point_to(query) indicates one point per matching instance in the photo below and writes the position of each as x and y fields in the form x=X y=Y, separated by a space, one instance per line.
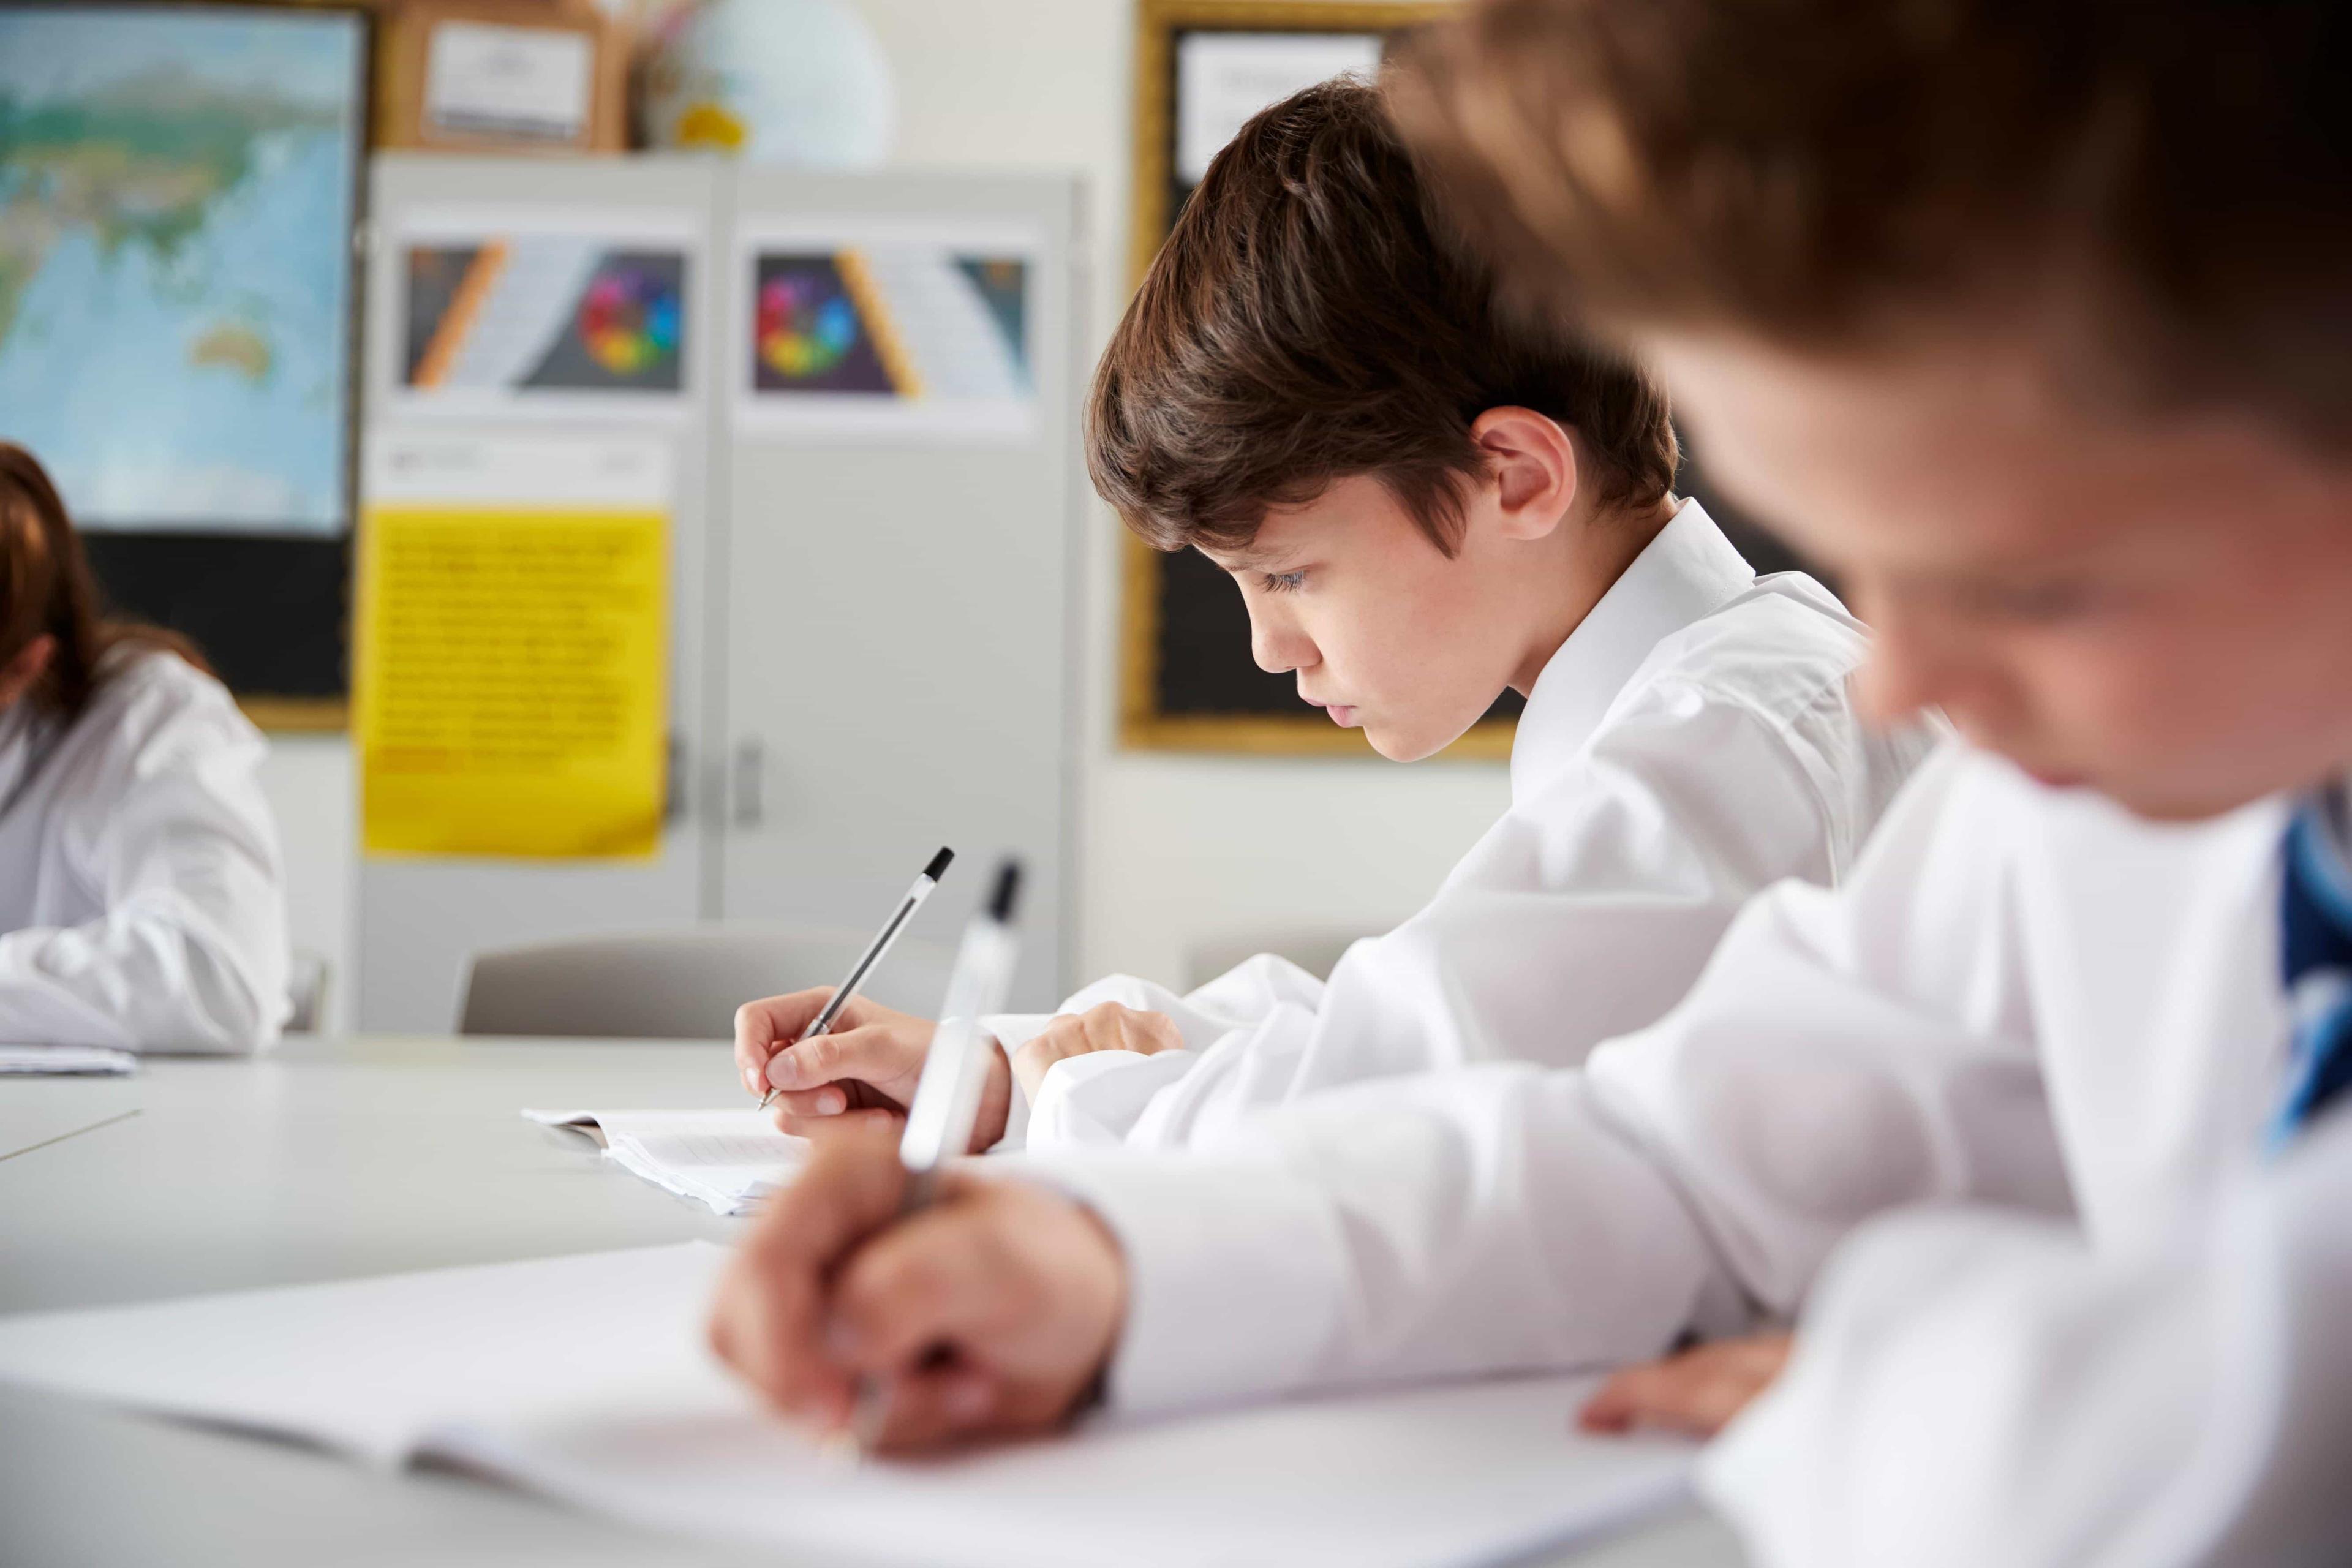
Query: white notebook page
x=586 y=1378
x=728 y=1160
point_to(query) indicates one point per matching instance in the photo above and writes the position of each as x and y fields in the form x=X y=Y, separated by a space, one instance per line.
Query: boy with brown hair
x=1422 y=504
x=2068 y=281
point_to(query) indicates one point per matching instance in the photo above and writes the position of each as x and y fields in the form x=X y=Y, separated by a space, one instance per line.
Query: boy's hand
x=990 y=1313
x=865 y=1069
x=1696 y=1392
x=1109 y=1027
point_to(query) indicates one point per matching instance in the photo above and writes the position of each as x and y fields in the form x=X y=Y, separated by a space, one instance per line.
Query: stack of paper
x=586 y=1378
x=67 y=1060
x=727 y=1159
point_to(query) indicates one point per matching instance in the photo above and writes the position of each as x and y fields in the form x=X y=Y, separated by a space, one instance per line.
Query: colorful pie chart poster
x=550 y=324
x=888 y=332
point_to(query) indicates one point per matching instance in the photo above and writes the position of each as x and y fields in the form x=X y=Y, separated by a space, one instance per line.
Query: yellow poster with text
x=513 y=672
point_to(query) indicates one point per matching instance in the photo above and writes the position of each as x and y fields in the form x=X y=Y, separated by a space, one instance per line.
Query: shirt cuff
x=1094 y=1100
x=1014 y=1031
x=1211 y=1244
x=1011 y=1031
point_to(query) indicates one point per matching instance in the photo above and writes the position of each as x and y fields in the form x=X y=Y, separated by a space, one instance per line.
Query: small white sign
x=481 y=79
x=414 y=467
x=1222 y=79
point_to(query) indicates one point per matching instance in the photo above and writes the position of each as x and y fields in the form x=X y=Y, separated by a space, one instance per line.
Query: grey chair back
x=306 y=975
x=680 y=984
x=1316 y=951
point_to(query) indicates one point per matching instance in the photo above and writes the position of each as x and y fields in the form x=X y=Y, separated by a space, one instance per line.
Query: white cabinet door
x=419 y=920
x=900 y=645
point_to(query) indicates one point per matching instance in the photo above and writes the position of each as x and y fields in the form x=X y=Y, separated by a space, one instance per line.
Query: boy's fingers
x=765 y=1323
x=863 y=1053
x=761 y=1025
x=1157 y=1032
x=849 y=1187
x=1670 y=1394
x=1697 y=1391
x=795 y=1104
x=848 y=1124
x=931 y=1407
x=1612 y=1407
x=929 y=1281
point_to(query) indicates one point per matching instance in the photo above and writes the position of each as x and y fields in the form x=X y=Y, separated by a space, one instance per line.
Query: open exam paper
x=586 y=1378
x=728 y=1160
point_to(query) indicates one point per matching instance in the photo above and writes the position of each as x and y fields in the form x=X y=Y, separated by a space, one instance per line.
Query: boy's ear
x=1532 y=462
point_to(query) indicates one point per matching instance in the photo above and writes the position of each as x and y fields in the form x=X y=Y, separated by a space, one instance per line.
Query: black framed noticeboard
x=1187 y=681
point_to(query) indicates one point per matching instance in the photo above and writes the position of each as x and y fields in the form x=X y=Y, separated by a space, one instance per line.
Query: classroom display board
x=179 y=191
x=888 y=329
x=650 y=444
x=543 y=316
x=513 y=648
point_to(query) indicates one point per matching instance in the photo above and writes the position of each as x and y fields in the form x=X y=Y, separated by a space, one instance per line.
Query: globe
x=784 y=81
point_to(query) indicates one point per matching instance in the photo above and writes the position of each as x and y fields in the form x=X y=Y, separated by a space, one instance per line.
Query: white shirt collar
x=1687 y=572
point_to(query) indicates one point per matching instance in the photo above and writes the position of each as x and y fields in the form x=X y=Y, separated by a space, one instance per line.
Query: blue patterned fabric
x=2316 y=964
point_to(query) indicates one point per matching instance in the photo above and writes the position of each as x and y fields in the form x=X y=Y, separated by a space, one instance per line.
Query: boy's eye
x=2039 y=603
x=1281 y=582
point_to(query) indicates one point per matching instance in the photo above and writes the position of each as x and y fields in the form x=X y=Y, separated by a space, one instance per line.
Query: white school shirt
x=1978 y=1386
x=1691 y=741
x=2024 y=999
x=140 y=900
x=1973 y=1386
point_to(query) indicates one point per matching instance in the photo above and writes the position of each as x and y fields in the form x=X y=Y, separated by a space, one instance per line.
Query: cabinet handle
x=751 y=765
x=674 y=782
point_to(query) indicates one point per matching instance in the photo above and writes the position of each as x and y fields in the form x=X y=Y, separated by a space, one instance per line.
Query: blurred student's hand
x=990 y=1313
x=862 y=1071
x=1695 y=1391
x=1109 y=1027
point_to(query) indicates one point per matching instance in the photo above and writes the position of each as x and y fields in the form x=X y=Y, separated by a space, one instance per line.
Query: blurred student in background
x=2036 y=320
x=1424 y=503
x=141 y=904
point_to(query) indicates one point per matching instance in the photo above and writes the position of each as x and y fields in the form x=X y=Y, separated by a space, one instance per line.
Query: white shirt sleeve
x=173 y=834
x=1693 y=1176
x=1071 y=1111
x=1974 y=1387
x=1586 y=913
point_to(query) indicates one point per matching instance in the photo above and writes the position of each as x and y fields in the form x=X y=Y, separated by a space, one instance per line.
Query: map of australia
x=176 y=198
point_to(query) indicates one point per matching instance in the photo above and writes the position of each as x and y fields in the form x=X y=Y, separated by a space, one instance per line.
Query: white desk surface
x=332 y=1160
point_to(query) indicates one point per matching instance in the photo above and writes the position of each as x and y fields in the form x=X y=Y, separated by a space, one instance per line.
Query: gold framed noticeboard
x=1202 y=67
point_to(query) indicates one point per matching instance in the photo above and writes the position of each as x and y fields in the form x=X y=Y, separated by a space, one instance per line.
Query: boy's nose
x=1277 y=649
x=1896 y=679
x=1914 y=667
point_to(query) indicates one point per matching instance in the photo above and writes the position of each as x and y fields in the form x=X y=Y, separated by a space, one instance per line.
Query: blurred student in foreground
x=2034 y=319
x=140 y=898
x=1422 y=504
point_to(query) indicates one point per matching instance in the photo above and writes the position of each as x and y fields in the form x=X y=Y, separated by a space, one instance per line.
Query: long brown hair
x=47 y=588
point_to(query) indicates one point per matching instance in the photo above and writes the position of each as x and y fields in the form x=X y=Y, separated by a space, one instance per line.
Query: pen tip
x=1007 y=891
x=939 y=866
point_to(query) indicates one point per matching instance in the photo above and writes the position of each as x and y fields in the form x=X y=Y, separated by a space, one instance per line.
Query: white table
x=333 y=1160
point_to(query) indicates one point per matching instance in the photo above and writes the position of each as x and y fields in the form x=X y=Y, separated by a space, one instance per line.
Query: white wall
x=1176 y=849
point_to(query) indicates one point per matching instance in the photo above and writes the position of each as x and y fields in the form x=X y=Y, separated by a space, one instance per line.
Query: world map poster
x=177 y=192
